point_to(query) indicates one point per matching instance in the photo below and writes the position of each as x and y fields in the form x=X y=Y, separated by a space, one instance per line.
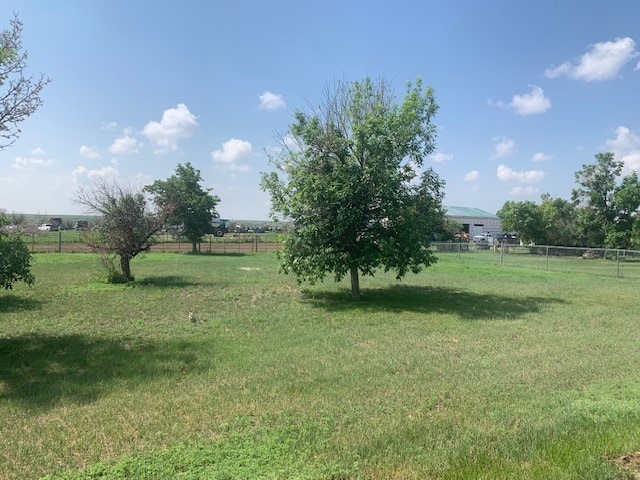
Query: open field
x=469 y=370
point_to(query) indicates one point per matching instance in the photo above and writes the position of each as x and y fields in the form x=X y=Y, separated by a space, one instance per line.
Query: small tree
x=352 y=189
x=524 y=218
x=559 y=219
x=15 y=258
x=21 y=94
x=125 y=227
x=182 y=201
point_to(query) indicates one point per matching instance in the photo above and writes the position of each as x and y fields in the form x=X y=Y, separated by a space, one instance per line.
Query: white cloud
x=176 y=123
x=271 y=101
x=111 y=126
x=625 y=140
x=558 y=71
x=142 y=179
x=125 y=145
x=503 y=147
x=290 y=143
x=523 y=191
x=530 y=103
x=632 y=160
x=441 y=157
x=38 y=151
x=88 y=152
x=232 y=154
x=472 y=176
x=626 y=147
x=82 y=171
x=603 y=61
x=541 y=157
x=507 y=174
x=31 y=163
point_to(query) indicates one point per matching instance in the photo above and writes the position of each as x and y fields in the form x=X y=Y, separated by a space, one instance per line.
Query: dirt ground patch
x=629 y=462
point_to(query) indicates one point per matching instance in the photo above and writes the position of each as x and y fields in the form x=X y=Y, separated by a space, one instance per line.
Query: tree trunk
x=194 y=249
x=125 y=266
x=355 y=283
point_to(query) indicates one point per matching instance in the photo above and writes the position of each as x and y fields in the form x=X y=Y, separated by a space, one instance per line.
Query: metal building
x=475 y=221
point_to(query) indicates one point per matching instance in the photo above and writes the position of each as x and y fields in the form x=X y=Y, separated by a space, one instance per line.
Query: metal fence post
x=617 y=263
x=547 y=257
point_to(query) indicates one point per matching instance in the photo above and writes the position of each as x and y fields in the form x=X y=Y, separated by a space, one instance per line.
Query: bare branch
x=22 y=96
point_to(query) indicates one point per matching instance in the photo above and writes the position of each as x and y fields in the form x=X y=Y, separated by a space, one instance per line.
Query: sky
x=528 y=92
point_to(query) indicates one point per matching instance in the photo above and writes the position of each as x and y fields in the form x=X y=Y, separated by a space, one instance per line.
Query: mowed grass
x=469 y=370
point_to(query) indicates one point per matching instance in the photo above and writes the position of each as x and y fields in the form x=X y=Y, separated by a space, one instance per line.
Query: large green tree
x=183 y=201
x=19 y=93
x=626 y=199
x=352 y=186
x=15 y=258
x=595 y=197
x=608 y=203
x=126 y=227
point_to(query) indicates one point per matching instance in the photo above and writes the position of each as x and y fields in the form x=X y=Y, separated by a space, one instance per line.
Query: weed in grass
x=282 y=453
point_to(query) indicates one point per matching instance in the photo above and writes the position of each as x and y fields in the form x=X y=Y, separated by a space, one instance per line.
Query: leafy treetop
x=352 y=185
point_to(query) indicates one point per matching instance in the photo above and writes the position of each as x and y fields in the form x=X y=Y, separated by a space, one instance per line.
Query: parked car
x=45 y=227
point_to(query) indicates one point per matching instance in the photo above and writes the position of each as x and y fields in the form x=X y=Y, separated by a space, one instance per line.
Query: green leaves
x=608 y=206
x=182 y=201
x=15 y=260
x=125 y=227
x=353 y=190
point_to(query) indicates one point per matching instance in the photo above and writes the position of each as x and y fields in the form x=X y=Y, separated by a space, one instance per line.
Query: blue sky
x=528 y=91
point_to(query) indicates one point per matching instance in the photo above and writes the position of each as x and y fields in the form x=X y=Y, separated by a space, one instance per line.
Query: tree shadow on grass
x=404 y=298
x=42 y=371
x=219 y=254
x=14 y=303
x=175 y=281
x=165 y=281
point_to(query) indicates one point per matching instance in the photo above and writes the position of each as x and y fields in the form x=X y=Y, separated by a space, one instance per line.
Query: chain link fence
x=71 y=241
x=596 y=261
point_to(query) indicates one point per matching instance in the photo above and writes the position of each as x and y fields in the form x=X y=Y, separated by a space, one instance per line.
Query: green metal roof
x=468 y=212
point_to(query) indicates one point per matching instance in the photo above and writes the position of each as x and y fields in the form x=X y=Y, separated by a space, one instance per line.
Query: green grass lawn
x=470 y=370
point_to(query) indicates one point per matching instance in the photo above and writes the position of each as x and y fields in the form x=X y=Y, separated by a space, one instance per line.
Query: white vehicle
x=45 y=227
x=483 y=242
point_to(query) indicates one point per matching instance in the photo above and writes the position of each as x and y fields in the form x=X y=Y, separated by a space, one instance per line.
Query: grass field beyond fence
x=469 y=370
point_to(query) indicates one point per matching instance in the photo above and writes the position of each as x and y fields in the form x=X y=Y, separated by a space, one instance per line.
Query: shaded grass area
x=467 y=371
x=428 y=300
x=44 y=371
